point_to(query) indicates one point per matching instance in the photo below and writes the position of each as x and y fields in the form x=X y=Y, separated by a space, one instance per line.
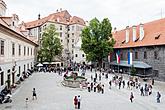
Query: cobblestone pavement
x=53 y=96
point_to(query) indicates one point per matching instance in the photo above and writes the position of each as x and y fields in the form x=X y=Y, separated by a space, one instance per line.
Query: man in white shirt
x=79 y=100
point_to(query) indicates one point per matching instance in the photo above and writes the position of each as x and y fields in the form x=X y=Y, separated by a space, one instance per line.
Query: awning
x=47 y=63
x=136 y=64
x=39 y=65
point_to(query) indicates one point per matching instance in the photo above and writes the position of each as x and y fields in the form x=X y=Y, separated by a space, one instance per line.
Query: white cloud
x=120 y=12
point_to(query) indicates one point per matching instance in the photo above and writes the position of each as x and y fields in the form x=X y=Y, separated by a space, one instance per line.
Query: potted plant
x=8 y=81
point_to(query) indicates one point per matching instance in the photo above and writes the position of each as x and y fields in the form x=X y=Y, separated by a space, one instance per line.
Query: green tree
x=50 y=44
x=97 y=41
x=133 y=71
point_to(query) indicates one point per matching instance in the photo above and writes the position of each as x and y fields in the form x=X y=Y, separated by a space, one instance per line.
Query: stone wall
x=158 y=65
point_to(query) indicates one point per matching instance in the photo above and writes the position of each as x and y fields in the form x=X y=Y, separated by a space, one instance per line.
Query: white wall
x=7 y=61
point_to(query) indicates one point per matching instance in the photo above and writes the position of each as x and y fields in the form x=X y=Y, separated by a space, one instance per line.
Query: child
x=34 y=93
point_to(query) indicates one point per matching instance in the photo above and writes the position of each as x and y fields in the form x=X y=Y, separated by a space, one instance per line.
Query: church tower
x=3 y=8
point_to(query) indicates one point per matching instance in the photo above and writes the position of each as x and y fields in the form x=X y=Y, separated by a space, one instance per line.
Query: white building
x=17 y=53
x=79 y=55
x=69 y=29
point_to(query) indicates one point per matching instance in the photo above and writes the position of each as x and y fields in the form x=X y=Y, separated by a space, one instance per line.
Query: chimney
x=115 y=29
x=57 y=10
x=141 y=33
x=134 y=33
x=127 y=34
x=60 y=9
x=39 y=16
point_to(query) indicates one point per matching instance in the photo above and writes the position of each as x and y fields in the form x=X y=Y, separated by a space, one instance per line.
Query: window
x=82 y=55
x=73 y=34
x=68 y=40
x=61 y=41
x=155 y=54
x=68 y=35
x=31 y=51
x=28 y=51
x=13 y=49
x=13 y=23
x=24 y=50
x=76 y=55
x=2 y=44
x=60 y=34
x=60 y=27
x=2 y=78
x=72 y=45
x=31 y=65
x=28 y=66
x=72 y=28
x=72 y=51
x=72 y=40
x=19 y=50
x=19 y=69
x=34 y=51
x=136 y=55
x=145 y=55
x=24 y=68
x=121 y=55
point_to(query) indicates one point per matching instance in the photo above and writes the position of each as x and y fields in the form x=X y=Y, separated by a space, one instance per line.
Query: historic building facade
x=17 y=53
x=146 y=42
x=69 y=29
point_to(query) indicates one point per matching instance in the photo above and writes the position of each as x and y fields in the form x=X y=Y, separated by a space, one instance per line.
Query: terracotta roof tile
x=151 y=30
x=60 y=17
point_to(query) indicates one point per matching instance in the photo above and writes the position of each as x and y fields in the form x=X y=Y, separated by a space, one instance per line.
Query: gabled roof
x=60 y=17
x=154 y=34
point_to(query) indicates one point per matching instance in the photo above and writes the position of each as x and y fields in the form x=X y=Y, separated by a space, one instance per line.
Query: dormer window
x=13 y=23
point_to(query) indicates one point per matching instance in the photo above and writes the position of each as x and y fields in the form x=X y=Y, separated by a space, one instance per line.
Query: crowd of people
x=95 y=84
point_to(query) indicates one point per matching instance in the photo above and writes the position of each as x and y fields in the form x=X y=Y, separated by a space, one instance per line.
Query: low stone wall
x=73 y=83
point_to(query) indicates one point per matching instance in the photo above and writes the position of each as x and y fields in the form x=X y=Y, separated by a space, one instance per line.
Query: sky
x=121 y=13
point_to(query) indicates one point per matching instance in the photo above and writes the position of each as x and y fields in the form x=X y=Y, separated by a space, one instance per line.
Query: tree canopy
x=50 y=44
x=97 y=41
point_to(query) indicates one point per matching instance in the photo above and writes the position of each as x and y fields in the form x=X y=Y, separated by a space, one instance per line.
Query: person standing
x=119 y=84
x=79 y=100
x=131 y=97
x=75 y=102
x=110 y=84
x=158 y=97
x=123 y=83
x=94 y=87
x=142 y=91
x=91 y=86
x=128 y=84
x=102 y=89
x=88 y=86
x=152 y=81
x=34 y=93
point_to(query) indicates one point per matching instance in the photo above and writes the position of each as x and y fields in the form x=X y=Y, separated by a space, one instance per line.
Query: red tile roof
x=154 y=34
x=60 y=17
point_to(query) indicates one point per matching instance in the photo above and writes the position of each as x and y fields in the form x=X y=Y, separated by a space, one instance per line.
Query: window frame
x=136 y=55
x=145 y=54
x=13 y=48
x=156 y=55
x=19 y=49
x=1 y=40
